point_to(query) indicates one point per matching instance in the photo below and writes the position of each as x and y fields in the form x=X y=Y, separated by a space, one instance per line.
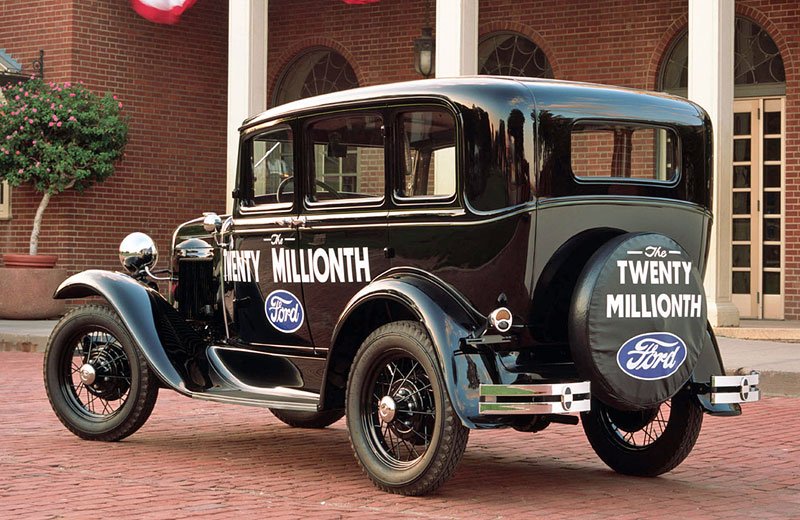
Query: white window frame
x=5 y=201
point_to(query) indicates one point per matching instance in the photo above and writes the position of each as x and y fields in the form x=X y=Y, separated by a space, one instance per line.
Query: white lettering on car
x=241 y=266
x=332 y=265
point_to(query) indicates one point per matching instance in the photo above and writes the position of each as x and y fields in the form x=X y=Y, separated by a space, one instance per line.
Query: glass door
x=758 y=207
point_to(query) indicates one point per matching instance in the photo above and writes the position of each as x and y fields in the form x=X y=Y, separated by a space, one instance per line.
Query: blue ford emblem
x=284 y=311
x=651 y=356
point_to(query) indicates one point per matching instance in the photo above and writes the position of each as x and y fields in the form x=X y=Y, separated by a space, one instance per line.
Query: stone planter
x=26 y=293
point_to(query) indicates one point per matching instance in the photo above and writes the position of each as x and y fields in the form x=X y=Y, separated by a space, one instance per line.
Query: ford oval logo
x=651 y=356
x=284 y=311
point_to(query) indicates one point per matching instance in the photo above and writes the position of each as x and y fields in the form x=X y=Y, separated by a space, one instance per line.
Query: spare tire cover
x=637 y=320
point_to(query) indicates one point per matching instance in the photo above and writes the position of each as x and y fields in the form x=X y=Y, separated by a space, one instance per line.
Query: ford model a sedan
x=428 y=258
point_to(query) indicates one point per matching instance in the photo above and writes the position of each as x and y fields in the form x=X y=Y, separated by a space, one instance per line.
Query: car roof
x=470 y=90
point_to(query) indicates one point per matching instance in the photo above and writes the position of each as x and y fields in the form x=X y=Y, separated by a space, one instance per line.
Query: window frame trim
x=671 y=183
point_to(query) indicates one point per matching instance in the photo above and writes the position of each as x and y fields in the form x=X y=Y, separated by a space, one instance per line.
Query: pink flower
x=20 y=170
x=114 y=97
x=50 y=123
x=120 y=105
x=55 y=117
x=71 y=94
x=16 y=153
x=52 y=106
x=58 y=124
x=33 y=142
x=16 y=98
x=8 y=138
x=72 y=118
x=67 y=84
x=34 y=110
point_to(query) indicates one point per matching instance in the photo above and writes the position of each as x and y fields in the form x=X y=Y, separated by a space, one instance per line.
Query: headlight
x=137 y=251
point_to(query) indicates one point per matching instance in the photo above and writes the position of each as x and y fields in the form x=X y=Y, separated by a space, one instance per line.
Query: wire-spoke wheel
x=403 y=429
x=648 y=442
x=97 y=382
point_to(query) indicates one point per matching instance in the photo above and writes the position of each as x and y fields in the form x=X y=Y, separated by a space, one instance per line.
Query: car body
x=432 y=257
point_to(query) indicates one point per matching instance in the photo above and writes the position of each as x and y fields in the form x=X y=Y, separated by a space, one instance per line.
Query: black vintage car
x=428 y=258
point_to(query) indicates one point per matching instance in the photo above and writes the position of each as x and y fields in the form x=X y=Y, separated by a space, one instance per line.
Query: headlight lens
x=137 y=251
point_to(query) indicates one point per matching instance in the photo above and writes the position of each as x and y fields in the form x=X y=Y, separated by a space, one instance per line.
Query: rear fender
x=135 y=305
x=448 y=320
x=710 y=364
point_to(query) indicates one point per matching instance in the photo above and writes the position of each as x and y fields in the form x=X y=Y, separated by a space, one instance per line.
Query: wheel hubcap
x=386 y=409
x=87 y=374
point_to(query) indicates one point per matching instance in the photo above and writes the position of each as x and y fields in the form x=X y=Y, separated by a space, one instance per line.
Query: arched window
x=512 y=54
x=317 y=71
x=757 y=70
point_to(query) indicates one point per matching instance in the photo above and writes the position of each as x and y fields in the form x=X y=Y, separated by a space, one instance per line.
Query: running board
x=735 y=389
x=551 y=398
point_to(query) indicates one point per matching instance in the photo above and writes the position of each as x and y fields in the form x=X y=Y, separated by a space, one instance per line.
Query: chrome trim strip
x=303 y=351
x=302 y=407
x=533 y=408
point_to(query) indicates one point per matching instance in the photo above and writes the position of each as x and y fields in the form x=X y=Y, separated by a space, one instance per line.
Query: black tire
x=416 y=448
x=645 y=443
x=117 y=392
x=315 y=420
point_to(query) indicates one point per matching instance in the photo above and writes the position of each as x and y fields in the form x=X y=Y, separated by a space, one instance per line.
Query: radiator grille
x=195 y=288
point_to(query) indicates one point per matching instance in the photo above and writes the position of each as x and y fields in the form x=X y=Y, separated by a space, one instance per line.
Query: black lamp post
x=425 y=48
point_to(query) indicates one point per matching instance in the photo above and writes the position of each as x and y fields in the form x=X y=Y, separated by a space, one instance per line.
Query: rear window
x=616 y=151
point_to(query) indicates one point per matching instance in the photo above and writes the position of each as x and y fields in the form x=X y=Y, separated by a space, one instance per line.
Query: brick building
x=184 y=84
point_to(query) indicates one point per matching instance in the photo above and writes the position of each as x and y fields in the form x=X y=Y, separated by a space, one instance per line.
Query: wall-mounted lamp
x=425 y=48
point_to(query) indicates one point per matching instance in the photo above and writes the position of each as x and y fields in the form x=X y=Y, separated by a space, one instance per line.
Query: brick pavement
x=205 y=460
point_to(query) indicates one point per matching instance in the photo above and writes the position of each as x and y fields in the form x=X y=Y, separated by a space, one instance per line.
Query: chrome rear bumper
x=735 y=389
x=535 y=399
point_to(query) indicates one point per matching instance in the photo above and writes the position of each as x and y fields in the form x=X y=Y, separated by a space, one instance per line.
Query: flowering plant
x=56 y=137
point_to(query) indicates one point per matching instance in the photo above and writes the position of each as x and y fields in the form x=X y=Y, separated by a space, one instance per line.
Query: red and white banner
x=162 y=11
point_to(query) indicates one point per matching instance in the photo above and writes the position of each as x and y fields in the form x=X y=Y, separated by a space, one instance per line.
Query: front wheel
x=403 y=429
x=644 y=443
x=97 y=382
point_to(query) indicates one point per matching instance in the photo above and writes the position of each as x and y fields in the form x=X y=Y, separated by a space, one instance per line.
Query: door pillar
x=711 y=31
x=247 y=74
x=456 y=38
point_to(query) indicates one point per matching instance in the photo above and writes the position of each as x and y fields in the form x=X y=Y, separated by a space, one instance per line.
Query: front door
x=758 y=207
x=265 y=292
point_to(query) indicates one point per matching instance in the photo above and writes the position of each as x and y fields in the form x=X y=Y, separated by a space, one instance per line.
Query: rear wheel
x=403 y=429
x=298 y=419
x=644 y=443
x=98 y=384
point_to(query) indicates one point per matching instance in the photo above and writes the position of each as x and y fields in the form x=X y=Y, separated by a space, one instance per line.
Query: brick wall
x=173 y=83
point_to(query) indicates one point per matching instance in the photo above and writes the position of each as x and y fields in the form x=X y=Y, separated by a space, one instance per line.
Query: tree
x=57 y=137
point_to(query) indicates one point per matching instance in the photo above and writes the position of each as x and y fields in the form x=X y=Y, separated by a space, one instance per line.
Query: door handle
x=297 y=221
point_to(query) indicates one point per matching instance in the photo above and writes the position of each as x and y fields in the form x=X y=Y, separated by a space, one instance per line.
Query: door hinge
x=758 y=297
x=758 y=116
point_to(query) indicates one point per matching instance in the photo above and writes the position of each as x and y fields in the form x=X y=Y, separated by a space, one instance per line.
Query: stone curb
x=783 y=335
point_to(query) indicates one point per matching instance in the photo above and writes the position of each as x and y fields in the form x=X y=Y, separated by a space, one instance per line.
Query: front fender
x=135 y=305
x=448 y=321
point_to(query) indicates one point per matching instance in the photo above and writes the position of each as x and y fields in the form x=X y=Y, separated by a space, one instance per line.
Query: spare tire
x=637 y=320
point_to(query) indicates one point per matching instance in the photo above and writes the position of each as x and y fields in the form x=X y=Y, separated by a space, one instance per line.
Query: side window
x=428 y=166
x=272 y=166
x=346 y=158
x=615 y=151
